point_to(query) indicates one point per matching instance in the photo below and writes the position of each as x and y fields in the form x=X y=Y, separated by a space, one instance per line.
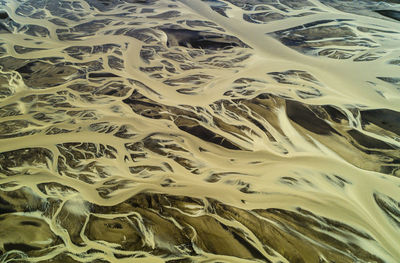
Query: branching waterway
x=183 y=131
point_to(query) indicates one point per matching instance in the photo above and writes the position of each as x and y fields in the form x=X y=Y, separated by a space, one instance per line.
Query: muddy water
x=199 y=131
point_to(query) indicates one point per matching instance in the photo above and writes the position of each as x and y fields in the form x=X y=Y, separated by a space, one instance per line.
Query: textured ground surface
x=199 y=131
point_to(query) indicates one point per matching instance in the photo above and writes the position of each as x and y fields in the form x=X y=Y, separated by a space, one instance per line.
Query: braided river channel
x=210 y=131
